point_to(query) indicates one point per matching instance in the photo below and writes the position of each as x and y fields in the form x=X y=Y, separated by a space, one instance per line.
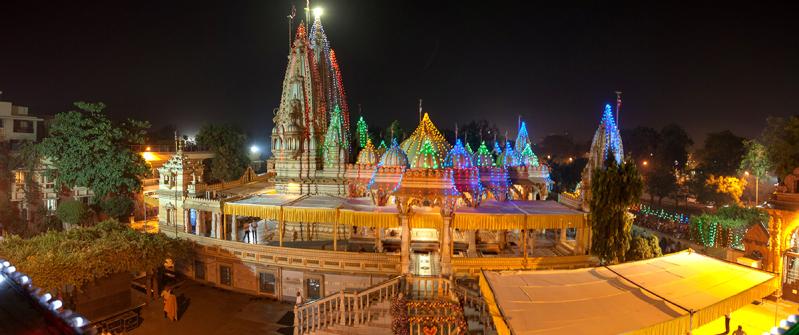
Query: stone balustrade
x=335 y=261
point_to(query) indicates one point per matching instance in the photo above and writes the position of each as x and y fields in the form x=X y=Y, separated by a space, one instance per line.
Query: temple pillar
x=446 y=251
x=562 y=235
x=186 y=221
x=405 y=245
x=503 y=239
x=379 y=240
x=214 y=226
x=234 y=228
x=199 y=223
x=471 y=239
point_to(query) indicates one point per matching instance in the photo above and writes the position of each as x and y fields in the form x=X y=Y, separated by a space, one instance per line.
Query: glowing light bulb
x=318 y=11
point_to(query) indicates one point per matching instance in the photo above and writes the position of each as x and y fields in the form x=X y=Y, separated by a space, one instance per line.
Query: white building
x=16 y=124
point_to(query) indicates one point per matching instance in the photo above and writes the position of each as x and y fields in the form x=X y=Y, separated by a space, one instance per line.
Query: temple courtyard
x=215 y=311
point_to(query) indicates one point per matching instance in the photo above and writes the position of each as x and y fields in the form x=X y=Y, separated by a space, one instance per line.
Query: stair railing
x=344 y=308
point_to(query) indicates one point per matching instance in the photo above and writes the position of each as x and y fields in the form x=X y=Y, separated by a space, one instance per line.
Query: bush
x=75 y=257
x=644 y=245
x=117 y=207
x=72 y=212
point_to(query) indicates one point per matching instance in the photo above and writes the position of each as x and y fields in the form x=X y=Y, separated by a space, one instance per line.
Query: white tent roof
x=655 y=296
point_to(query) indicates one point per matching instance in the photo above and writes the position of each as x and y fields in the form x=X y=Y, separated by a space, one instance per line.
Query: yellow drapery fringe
x=488 y=221
x=368 y=219
x=315 y=215
x=493 y=309
x=264 y=212
x=717 y=310
x=433 y=221
x=556 y=221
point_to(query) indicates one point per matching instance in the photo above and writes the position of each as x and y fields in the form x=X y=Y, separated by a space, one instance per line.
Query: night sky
x=703 y=66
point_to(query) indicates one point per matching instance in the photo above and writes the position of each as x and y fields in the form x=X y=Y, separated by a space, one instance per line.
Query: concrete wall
x=287 y=280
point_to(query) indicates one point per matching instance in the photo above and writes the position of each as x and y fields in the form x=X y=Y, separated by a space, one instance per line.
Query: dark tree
x=566 y=175
x=227 y=142
x=476 y=131
x=722 y=153
x=781 y=139
x=557 y=146
x=640 y=143
x=613 y=190
x=673 y=150
x=660 y=182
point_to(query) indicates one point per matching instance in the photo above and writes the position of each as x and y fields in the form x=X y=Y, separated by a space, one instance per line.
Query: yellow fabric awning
x=368 y=219
x=555 y=221
x=426 y=220
x=493 y=310
x=488 y=221
x=663 y=295
x=261 y=211
x=316 y=215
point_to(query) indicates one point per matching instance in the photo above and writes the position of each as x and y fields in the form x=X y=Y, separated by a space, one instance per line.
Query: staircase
x=368 y=311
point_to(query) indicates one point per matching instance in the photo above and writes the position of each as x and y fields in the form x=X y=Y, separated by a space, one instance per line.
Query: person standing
x=740 y=331
x=246 y=233
x=170 y=305
x=254 y=232
x=299 y=298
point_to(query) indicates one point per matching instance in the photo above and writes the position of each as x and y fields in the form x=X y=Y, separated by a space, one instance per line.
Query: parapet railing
x=315 y=259
x=473 y=265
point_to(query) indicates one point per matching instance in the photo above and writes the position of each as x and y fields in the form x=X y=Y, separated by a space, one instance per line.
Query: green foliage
x=87 y=149
x=722 y=153
x=755 y=159
x=117 y=207
x=72 y=212
x=644 y=245
x=614 y=189
x=227 y=143
x=734 y=220
x=76 y=257
x=781 y=139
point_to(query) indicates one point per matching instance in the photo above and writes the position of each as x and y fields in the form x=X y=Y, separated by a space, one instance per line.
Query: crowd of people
x=675 y=229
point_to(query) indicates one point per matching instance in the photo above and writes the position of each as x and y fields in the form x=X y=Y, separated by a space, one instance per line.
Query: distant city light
x=254 y=149
x=147 y=149
x=645 y=163
x=318 y=11
x=149 y=156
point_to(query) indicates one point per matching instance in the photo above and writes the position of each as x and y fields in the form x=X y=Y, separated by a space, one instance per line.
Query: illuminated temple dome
x=426 y=131
x=368 y=155
x=458 y=157
x=508 y=157
x=483 y=158
x=427 y=157
x=394 y=156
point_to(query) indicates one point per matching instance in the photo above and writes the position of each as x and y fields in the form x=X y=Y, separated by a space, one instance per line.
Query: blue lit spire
x=522 y=139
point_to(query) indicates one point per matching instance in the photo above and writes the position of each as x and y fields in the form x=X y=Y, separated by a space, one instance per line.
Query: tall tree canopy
x=673 y=149
x=781 y=139
x=227 y=142
x=756 y=162
x=614 y=189
x=87 y=149
x=640 y=143
x=722 y=153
